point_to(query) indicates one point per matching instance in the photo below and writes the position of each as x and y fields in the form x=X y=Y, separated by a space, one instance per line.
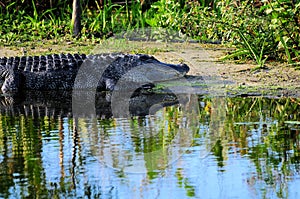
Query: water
x=228 y=148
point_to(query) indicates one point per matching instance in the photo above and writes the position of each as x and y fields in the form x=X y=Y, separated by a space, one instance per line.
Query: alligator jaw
x=161 y=72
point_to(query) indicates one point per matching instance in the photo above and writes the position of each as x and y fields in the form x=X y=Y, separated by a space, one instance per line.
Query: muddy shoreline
x=204 y=60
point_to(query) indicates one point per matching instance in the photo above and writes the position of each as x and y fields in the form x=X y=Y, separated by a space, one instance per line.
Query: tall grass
x=97 y=21
x=263 y=30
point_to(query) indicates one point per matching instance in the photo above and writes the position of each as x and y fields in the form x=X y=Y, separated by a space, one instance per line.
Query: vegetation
x=261 y=30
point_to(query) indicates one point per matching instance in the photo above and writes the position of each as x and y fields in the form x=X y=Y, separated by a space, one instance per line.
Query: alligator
x=59 y=71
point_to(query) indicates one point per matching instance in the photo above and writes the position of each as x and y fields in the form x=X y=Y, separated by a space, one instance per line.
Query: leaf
x=236 y=54
x=292 y=122
x=151 y=22
x=249 y=47
x=269 y=10
x=283 y=40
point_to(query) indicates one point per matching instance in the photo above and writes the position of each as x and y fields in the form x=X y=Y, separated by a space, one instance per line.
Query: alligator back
x=43 y=72
x=41 y=63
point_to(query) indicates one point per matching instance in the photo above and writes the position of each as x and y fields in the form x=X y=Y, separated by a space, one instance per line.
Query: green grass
x=269 y=31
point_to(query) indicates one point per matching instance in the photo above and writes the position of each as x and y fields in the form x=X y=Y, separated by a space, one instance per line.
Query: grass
x=268 y=32
x=256 y=53
x=104 y=46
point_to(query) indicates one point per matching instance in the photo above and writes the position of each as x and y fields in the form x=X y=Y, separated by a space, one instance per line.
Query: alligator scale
x=59 y=71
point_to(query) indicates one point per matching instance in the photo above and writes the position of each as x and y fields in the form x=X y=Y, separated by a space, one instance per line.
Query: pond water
x=199 y=147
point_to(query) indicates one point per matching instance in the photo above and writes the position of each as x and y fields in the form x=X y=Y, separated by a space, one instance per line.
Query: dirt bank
x=239 y=79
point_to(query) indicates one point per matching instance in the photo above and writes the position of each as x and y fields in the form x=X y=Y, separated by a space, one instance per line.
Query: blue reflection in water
x=251 y=155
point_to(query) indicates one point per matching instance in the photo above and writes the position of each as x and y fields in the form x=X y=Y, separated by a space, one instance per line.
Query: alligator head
x=142 y=69
x=159 y=71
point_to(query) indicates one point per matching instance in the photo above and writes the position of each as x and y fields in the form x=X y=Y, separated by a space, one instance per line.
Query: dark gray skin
x=59 y=103
x=58 y=72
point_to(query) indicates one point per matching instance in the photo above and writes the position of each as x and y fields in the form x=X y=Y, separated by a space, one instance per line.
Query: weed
x=269 y=30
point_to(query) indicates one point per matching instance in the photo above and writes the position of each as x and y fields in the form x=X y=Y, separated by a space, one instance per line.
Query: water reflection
x=46 y=152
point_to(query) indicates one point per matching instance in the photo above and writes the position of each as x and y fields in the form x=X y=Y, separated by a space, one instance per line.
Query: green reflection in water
x=266 y=131
x=263 y=130
x=21 y=146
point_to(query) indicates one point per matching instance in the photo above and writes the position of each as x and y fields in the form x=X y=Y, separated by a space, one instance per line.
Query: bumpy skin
x=59 y=72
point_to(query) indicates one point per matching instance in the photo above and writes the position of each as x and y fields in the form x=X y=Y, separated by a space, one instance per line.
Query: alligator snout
x=181 y=69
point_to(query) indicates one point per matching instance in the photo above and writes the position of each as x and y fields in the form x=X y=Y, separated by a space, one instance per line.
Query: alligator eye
x=147 y=58
x=143 y=57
